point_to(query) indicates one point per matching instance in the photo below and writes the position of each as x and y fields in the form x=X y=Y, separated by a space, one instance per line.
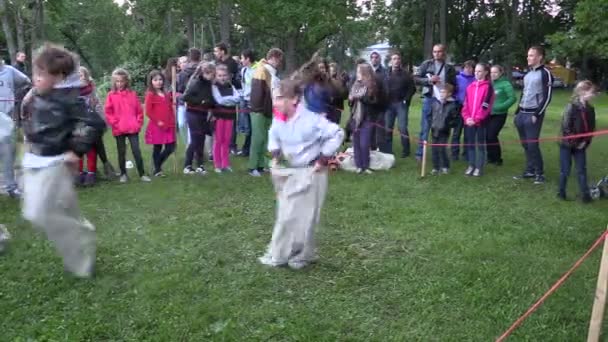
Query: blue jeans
x=456 y=135
x=362 y=141
x=396 y=111
x=425 y=123
x=475 y=138
x=566 y=154
x=7 y=158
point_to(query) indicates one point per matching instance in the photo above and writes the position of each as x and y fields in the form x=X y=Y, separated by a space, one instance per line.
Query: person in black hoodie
x=184 y=75
x=198 y=98
x=60 y=131
x=578 y=118
x=445 y=116
x=400 y=88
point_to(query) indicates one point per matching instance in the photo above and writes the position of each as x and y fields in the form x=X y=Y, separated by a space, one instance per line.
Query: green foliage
x=153 y=50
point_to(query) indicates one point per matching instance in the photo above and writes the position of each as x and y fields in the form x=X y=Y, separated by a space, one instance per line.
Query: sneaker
x=525 y=175
x=267 y=260
x=369 y=171
x=445 y=171
x=201 y=170
x=14 y=193
x=145 y=179
x=297 y=264
x=160 y=174
x=540 y=179
x=255 y=173
x=359 y=171
x=188 y=170
x=218 y=170
x=109 y=171
x=228 y=169
x=434 y=172
x=477 y=173
x=90 y=179
x=123 y=179
x=469 y=171
x=233 y=151
x=240 y=153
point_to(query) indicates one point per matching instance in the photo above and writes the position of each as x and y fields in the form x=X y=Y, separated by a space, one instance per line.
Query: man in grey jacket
x=11 y=82
x=535 y=99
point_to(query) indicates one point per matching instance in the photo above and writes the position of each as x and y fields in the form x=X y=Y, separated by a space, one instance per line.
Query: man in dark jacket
x=400 y=88
x=535 y=99
x=431 y=75
x=20 y=59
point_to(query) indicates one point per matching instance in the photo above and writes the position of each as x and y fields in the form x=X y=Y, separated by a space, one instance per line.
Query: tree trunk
x=213 y=37
x=428 y=29
x=20 y=29
x=512 y=46
x=189 y=20
x=290 y=53
x=38 y=33
x=443 y=22
x=169 y=22
x=225 y=20
x=8 y=31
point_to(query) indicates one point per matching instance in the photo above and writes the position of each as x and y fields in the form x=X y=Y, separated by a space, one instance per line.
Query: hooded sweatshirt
x=462 y=83
x=11 y=82
x=478 y=102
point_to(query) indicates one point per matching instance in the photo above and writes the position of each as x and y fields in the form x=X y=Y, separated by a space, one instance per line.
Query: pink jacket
x=124 y=112
x=478 y=101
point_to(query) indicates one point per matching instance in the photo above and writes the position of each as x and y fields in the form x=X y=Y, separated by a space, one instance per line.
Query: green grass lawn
x=444 y=258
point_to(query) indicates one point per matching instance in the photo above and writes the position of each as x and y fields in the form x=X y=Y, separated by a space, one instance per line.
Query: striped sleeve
x=547 y=92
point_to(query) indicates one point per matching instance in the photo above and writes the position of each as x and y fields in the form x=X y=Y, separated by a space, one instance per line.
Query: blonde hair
x=120 y=73
x=583 y=86
x=86 y=73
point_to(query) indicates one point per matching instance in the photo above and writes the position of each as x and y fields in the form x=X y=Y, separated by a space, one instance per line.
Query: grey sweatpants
x=301 y=193
x=51 y=205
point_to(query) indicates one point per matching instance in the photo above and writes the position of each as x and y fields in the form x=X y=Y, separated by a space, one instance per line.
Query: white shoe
x=359 y=171
x=218 y=170
x=201 y=171
x=255 y=173
x=434 y=172
x=123 y=179
x=477 y=173
x=297 y=264
x=369 y=171
x=228 y=169
x=188 y=170
x=145 y=179
x=469 y=171
x=267 y=260
x=445 y=171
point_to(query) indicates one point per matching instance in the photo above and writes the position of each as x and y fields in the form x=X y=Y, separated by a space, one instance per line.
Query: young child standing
x=364 y=96
x=227 y=98
x=60 y=130
x=161 y=127
x=126 y=117
x=445 y=116
x=578 y=118
x=306 y=140
x=88 y=93
x=476 y=109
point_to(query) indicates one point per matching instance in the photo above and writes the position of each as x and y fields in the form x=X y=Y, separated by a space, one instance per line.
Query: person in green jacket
x=505 y=98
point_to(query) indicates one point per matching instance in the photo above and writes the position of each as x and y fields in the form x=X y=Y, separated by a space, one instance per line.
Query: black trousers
x=198 y=125
x=121 y=147
x=160 y=155
x=495 y=125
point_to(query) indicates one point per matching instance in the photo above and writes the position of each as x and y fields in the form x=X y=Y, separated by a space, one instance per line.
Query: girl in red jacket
x=476 y=109
x=161 y=127
x=125 y=116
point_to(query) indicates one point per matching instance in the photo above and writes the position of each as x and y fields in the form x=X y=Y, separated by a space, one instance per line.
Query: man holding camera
x=431 y=75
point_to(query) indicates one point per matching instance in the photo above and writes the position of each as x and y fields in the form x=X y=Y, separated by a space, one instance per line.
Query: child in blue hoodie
x=463 y=80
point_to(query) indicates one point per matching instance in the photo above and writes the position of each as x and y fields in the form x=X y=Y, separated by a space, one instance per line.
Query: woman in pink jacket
x=125 y=116
x=476 y=110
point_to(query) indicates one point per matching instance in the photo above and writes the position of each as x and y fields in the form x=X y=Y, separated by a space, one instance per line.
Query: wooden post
x=597 y=314
x=423 y=169
x=174 y=100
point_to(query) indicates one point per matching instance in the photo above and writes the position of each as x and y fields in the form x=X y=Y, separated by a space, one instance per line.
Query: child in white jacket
x=306 y=140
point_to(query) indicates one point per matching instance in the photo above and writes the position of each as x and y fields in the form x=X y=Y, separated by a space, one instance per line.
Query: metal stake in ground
x=597 y=313
x=423 y=168
x=173 y=97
